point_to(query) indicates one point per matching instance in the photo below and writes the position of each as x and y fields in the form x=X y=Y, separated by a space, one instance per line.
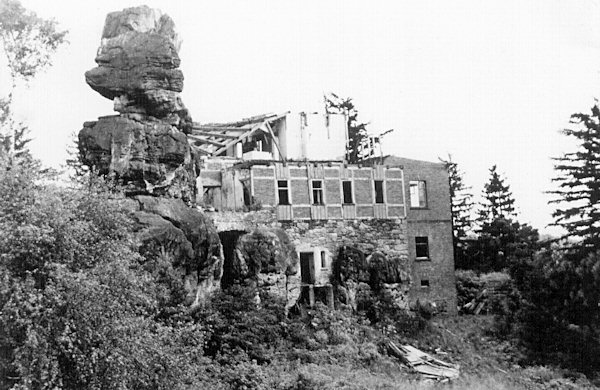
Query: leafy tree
x=76 y=303
x=461 y=204
x=498 y=201
x=28 y=43
x=579 y=183
x=360 y=145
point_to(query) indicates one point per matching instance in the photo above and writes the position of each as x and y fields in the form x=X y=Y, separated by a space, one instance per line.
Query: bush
x=559 y=316
x=76 y=307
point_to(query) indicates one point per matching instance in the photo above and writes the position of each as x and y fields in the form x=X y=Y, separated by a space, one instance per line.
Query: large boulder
x=362 y=280
x=138 y=65
x=147 y=156
x=184 y=235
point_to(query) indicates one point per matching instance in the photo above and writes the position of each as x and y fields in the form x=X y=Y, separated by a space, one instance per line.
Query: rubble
x=423 y=363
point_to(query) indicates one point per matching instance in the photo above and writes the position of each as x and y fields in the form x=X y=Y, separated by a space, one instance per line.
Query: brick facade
x=373 y=222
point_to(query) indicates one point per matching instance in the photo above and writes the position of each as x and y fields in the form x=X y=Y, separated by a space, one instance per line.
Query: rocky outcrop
x=362 y=280
x=147 y=155
x=145 y=148
x=267 y=258
x=138 y=65
x=184 y=235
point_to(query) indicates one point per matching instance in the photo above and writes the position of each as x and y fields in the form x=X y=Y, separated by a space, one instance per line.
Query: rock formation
x=145 y=147
x=362 y=280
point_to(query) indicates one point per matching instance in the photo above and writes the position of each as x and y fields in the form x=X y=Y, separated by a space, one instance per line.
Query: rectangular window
x=284 y=192
x=323 y=260
x=424 y=283
x=347 y=188
x=378 y=191
x=317 y=190
x=422 y=247
x=418 y=194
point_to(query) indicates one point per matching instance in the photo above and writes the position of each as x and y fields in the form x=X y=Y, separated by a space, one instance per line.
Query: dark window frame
x=347 y=193
x=379 y=191
x=422 y=248
x=318 y=194
x=283 y=189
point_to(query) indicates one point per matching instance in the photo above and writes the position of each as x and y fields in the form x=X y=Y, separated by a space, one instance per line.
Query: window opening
x=378 y=191
x=323 y=260
x=424 y=283
x=283 y=191
x=418 y=194
x=347 y=188
x=317 y=186
x=422 y=247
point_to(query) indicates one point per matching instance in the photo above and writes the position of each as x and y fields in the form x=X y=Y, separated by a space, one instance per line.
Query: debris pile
x=425 y=364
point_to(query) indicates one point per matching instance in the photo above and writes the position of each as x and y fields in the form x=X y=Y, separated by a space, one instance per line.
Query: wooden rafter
x=214 y=134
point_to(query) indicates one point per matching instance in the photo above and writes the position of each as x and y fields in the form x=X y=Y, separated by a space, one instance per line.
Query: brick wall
x=434 y=222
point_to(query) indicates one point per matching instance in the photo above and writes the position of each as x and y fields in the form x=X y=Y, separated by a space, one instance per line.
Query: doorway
x=229 y=241
x=307 y=267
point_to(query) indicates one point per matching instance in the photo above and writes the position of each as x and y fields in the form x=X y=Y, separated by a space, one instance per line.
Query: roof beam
x=219 y=128
x=206 y=141
x=213 y=134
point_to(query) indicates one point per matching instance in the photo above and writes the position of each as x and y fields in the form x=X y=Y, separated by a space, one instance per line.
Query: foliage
x=461 y=204
x=28 y=41
x=501 y=242
x=578 y=175
x=75 y=307
x=498 y=201
x=559 y=318
x=360 y=146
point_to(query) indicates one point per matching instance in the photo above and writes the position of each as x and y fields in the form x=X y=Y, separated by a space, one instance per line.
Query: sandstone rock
x=148 y=156
x=187 y=237
x=267 y=258
x=266 y=251
x=363 y=280
x=138 y=64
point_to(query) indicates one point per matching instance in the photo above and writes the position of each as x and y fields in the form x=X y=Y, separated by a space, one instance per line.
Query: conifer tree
x=578 y=178
x=461 y=199
x=360 y=146
x=498 y=201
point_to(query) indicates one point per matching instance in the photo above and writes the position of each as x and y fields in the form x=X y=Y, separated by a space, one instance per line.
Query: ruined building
x=267 y=199
x=287 y=172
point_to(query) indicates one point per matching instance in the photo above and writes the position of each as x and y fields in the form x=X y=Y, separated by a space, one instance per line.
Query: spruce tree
x=578 y=178
x=498 y=201
x=461 y=204
x=461 y=199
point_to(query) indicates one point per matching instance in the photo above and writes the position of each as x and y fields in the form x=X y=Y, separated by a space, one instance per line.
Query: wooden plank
x=198 y=149
x=318 y=212
x=206 y=141
x=214 y=134
x=281 y=156
x=284 y=213
x=235 y=141
x=380 y=211
x=349 y=211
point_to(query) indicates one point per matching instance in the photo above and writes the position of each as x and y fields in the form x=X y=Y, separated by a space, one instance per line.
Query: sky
x=489 y=82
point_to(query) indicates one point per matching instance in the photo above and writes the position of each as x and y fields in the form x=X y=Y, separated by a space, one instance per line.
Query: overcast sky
x=488 y=82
